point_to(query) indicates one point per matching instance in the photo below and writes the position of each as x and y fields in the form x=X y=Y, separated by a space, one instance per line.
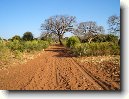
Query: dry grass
x=106 y=68
x=24 y=57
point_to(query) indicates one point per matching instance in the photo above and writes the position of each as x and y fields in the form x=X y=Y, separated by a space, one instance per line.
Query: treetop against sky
x=19 y=16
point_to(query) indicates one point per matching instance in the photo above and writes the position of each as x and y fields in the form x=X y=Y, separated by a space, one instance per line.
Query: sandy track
x=52 y=70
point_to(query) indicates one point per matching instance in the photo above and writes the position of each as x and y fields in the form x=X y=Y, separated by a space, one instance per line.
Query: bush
x=64 y=42
x=28 y=46
x=15 y=45
x=96 y=49
x=112 y=38
x=4 y=51
x=16 y=37
x=99 y=38
x=72 y=41
x=47 y=37
x=10 y=50
x=35 y=45
x=0 y=38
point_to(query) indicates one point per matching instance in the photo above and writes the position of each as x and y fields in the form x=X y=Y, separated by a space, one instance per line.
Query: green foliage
x=99 y=38
x=64 y=42
x=0 y=38
x=28 y=46
x=71 y=42
x=96 y=49
x=102 y=38
x=15 y=49
x=47 y=37
x=17 y=54
x=15 y=45
x=16 y=37
x=35 y=45
x=112 y=38
x=28 y=36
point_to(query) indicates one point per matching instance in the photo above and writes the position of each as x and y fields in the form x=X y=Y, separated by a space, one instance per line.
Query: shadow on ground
x=61 y=51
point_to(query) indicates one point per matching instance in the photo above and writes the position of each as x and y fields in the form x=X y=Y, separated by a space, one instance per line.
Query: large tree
x=58 y=25
x=87 y=30
x=27 y=36
x=114 y=25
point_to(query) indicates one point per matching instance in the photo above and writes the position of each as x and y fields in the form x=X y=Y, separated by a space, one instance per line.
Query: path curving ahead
x=52 y=70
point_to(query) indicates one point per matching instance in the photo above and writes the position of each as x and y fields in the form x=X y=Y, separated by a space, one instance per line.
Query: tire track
x=104 y=85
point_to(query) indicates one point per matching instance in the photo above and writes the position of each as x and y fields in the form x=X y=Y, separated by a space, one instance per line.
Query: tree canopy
x=16 y=37
x=58 y=25
x=86 y=30
x=27 y=36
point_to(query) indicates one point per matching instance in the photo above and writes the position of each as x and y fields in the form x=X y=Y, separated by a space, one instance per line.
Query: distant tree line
x=27 y=36
x=57 y=26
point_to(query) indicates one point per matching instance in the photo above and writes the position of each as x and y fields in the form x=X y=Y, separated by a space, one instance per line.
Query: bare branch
x=88 y=29
x=114 y=24
x=58 y=25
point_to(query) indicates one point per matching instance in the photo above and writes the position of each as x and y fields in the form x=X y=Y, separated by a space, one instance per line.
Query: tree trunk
x=89 y=40
x=60 y=37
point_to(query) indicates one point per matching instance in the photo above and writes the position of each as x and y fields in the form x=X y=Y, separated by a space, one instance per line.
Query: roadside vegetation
x=98 y=47
x=17 y=47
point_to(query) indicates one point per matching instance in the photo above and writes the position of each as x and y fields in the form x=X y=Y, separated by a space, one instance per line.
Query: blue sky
x=19 y=16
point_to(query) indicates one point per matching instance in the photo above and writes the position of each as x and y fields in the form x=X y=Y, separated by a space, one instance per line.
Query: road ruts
x=52 y=70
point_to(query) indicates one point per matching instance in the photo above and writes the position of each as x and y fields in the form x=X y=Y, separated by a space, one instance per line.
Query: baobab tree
x=87 y=30
x=58 y=25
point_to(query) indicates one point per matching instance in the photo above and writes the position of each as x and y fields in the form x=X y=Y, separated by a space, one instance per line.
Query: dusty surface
x=52 y=70
x=105 y=68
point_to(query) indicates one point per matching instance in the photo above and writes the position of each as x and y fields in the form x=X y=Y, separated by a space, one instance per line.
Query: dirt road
x=52 y=70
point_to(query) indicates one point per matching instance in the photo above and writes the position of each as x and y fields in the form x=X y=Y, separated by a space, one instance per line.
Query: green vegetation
x=72 y=41
x=4 y=51
x=35 y=45
x=28 y=46
x=14 y=49
x=94 y=48
x=28 y=36
x=47 y=37
x=16 y=37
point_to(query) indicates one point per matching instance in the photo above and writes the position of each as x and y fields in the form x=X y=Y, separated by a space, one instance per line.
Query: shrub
x=112 y=38
x=0 y=38
x=35 y=45
x=71 y=42
x=4 y=51
x=15 y=45
x=14 y=49
x=16 y=37
x=64 y=42
x=99 y=38
x=96 y=49
x=28 y=46
x=47 y=37
x=17 y=54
